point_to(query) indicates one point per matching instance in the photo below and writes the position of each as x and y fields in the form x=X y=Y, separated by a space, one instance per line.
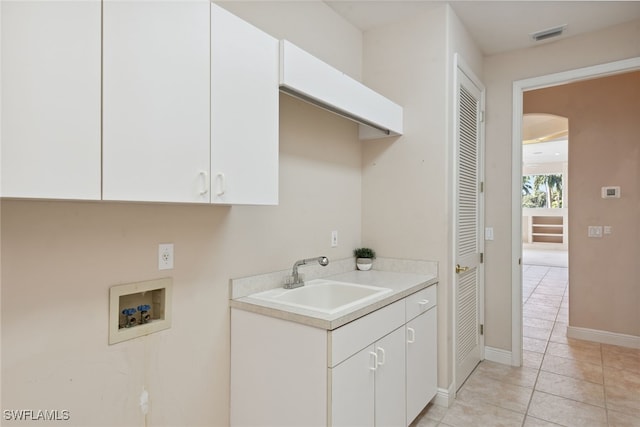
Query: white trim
x=445 y=397
x=519 y=86
x=603 y=337
x=497 y=355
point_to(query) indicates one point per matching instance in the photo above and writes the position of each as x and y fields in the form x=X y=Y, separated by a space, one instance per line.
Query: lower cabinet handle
x=382 y=357
x=423 y=303
x=375 y=361
x=411 y=335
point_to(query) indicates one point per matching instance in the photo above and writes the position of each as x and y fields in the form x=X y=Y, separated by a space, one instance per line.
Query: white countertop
x=401 y=284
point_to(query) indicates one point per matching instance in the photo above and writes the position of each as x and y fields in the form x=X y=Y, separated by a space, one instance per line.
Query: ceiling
x=545 y=139
x=497 y=26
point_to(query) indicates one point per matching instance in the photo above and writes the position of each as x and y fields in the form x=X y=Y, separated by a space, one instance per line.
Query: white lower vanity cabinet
x=422 y=351
x=377 y=370
x=368 y=388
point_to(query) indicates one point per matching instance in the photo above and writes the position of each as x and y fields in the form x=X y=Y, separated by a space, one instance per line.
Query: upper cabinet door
x=244 y=112
x=156 y=101
x=51 y=99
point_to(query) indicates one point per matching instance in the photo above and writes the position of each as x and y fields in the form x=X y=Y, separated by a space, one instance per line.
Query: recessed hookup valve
x=130 y=320
x=145 y=316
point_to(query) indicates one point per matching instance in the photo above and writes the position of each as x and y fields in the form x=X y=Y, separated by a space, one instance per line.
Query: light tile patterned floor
x=563 y=381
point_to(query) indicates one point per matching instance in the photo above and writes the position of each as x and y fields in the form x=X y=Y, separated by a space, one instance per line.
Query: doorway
x=519 y=87
x=545 y=188
x=545 y=196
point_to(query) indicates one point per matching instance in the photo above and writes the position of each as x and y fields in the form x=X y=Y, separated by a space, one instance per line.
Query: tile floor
x=562 y=382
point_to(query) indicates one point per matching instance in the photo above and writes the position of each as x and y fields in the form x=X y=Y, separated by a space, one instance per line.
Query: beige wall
x=500 y=71
x=311 y=25
x=60 y=258
x=604 y=150
x=406 y=180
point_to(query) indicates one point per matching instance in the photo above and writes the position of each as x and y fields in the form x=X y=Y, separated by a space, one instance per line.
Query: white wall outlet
x=608 y=229
x=594 y=231
x=334 y=238
x=165 y=256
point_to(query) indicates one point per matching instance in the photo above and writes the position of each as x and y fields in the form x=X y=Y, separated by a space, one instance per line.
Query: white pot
x=364 y=264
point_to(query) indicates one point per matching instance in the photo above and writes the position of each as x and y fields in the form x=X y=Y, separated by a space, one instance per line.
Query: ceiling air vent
x=548 y=33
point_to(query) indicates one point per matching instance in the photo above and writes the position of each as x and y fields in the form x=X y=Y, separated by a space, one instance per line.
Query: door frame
x=459 y=65
x=519 y=87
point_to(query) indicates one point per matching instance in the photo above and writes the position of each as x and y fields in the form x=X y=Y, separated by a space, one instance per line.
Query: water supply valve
x=145 y=316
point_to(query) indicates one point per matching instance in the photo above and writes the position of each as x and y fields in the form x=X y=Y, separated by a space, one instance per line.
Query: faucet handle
x=292 y=281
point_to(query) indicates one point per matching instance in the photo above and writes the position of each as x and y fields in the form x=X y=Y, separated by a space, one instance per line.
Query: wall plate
x=610 y=192
x=154 y=295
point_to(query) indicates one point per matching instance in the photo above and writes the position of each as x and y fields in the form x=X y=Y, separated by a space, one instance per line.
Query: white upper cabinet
x=51 y=99
x=244 y=112
x=307 y=77
x=156 y=144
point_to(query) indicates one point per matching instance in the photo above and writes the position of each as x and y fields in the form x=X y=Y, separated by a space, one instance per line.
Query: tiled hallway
x=563 y=381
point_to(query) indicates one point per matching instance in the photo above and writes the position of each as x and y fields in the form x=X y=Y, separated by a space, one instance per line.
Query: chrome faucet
x=295 y=281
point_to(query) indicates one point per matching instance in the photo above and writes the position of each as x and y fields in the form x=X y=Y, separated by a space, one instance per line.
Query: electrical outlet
x=165 y=256
x=334 y=238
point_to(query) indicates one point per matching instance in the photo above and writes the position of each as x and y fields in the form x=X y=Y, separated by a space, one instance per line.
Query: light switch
x=488 y=233
x=595 y=231
x=608 y=229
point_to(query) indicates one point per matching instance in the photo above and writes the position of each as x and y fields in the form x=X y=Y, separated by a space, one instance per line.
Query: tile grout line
x=604 y=386
x=533 y=388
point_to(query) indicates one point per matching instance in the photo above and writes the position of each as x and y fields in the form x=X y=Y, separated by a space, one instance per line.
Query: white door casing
x=469 y=223
x=519 y=87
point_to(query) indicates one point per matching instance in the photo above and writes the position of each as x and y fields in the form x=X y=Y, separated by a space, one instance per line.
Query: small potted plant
x=364 y=258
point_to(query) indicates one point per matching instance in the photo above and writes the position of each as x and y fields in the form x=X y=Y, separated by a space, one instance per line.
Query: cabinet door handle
x=375 y=361
x=205 y=183
x=423 y=303
x=220 y=177
x=382 y=357
x=411 y=335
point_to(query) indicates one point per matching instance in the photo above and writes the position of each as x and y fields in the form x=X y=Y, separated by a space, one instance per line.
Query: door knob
x=460 y=269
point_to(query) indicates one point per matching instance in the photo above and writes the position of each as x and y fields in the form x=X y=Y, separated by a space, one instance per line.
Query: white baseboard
x=445 y=397
x=603 y=337
x=497 y=355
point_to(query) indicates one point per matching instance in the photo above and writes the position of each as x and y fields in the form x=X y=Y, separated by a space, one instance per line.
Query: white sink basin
x=326 y=296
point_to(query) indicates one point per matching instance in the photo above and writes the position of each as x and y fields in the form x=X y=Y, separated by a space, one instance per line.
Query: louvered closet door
x=468 y=275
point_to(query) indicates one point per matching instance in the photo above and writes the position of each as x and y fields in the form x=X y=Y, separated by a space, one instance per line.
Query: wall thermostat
x=610 y=192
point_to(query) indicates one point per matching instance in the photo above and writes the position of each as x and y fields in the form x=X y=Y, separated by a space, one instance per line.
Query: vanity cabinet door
x=422 y=362
x=390 y=380
x=353 y=390
x=369 y=388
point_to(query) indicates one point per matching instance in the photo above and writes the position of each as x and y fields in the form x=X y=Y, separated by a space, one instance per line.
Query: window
x=542 y=191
